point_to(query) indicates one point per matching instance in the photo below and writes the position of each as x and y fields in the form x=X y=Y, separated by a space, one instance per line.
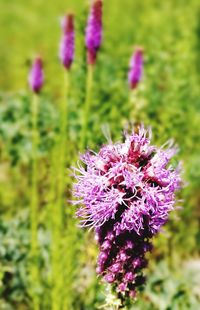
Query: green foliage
x=13 y=257
x=15 y=128
x=175 y=289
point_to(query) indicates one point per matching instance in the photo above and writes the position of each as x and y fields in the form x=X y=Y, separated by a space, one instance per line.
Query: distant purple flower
x=136 y=68
x=67 y=41
x=93 y=37
x=36 y=75
x=126 y=191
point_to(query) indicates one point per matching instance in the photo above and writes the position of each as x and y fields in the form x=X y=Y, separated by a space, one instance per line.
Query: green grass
x=170 y=34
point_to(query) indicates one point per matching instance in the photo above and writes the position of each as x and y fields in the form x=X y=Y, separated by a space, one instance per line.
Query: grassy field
x=169 y=102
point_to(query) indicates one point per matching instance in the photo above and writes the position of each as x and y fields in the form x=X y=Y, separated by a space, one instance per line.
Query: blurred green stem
x=137 y=104
x=133 y=105
x=34 y=274
x=59 y=164
x=170 y=252
x=63 y=142
x=87 y=106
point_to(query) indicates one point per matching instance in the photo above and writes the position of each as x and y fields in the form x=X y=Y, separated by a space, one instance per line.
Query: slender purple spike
x=36 y=75
x=67 y=41
x=93 y=38
x=136 y=68
x=126 y=192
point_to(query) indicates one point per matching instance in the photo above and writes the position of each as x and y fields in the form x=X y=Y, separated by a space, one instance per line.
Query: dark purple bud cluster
x=122 y=258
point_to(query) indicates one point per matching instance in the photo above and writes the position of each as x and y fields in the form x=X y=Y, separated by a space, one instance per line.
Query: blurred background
x=168 y=100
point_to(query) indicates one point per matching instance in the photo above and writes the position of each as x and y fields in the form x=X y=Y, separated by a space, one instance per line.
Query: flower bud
x=109 y=277
x=67 y=41
x=36 y=75
x=136 y=68
x=93 y=38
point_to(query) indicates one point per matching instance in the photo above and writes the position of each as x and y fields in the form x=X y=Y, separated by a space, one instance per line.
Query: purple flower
x=36 y=76
x=67 y=41
x=93 y=37
x=127 y=191
x=136 y=68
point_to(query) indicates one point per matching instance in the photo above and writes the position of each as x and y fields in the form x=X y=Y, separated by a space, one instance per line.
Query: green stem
x=63 y=142
x=87 y=107
x=58 y=211
x=137 y=104
x=133 y=105
x=34 y=203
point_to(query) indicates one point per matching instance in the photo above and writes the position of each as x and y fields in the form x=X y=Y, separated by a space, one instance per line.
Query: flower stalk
x=62 y=157
x=93 y=41
x=58 y=221
x=34 y=276
x=87 y=106
x=36 y=80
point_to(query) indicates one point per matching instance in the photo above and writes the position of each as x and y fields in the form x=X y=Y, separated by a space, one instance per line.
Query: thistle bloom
x=136 y=68
x=67 y=41
x=126 y=191
x=93 y=37
x=36 y=75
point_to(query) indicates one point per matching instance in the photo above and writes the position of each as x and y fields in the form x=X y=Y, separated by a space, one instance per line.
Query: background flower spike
x=136 y=68
x=67 y=44
x=93 y=38
x=36 y=75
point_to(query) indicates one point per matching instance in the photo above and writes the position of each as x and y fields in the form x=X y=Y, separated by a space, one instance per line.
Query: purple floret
x=93 y=38
x=67 y=41
x=36 y=75
x=127 y=191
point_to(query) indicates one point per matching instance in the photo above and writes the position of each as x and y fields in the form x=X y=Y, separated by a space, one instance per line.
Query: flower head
x=127 y=191
x=36 y=75
x=67 y=41
x=93 y=37
x=136 y=68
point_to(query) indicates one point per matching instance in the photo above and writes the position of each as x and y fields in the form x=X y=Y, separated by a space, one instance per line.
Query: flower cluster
x=136 y=68
x=93 y=37
x=36 y=75
x=126 y=191
x=67 y=42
